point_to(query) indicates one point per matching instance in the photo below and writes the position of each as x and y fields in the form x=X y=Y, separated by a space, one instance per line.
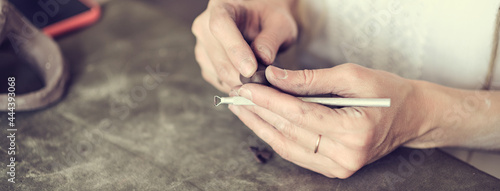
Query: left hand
x=224 y=29
x=351 y=136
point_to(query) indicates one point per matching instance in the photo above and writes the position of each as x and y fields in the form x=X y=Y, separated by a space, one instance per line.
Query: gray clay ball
x=259 y=77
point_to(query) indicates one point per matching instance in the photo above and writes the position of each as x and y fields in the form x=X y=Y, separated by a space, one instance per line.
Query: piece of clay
x=259 y=77
x=262 y=156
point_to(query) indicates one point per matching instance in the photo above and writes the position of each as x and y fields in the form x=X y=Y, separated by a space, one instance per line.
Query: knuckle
x=268 y=41
x=350 y=161
x=219 y=17
x=205 y=75
x=307 y=78
x=350 y=67
x=240 y=50
x=333 y=170
x=216 y=24
x=288 y=130
x=199 y=24
x=299 y=115
x=196 y=27
x=355 y=163
x=329 y=175
x=280 y=149
x=198 y=52
x=362 y=142
x=284 y=154
x=223 y=71
x=343 y=174
x=367 y=140
x=352 y=72
x=355 y=112
x=268 y=104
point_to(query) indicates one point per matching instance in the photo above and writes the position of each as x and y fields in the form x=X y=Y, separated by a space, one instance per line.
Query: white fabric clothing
x=448 y=42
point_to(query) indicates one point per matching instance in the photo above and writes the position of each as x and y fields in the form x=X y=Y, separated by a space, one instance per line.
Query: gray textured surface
x=121 y=128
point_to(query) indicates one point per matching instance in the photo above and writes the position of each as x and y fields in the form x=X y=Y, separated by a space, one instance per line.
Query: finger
x=221 y=64
x=212 y=79
x=287 y=149
x=343 y=156
x=293 y=133
x=310 y=116
x=223 y=27
x=278 y=32
x=216 y=67
x=207 y=69
x=224 y=70
x=199 y=25
x=341 y=80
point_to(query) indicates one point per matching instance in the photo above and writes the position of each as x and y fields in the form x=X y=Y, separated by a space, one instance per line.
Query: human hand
x=224 y=28
x=351 y=136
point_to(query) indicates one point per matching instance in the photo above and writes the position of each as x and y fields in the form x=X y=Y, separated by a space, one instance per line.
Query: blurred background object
x=29 y=55
x=56 y=17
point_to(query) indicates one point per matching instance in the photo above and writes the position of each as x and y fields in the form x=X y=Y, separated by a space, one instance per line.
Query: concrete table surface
x=138 y=116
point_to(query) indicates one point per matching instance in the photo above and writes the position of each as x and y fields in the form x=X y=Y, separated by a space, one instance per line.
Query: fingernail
x=235 y=109
x=245 y=93
x=279 y=73
x=246 y=67
x=266 y=52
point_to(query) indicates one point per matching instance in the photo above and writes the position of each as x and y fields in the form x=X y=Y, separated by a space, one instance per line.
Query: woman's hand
x=351 y=136
x=224 y=28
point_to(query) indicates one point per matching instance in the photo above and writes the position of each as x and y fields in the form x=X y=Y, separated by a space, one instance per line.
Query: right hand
x=224 y=28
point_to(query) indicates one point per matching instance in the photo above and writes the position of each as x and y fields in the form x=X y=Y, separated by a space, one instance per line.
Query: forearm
x=459 y=118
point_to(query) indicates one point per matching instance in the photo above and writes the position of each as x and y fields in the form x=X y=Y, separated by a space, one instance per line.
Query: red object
x=79 y=21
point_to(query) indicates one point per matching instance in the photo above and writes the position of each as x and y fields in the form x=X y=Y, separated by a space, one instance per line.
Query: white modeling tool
x=341 y=102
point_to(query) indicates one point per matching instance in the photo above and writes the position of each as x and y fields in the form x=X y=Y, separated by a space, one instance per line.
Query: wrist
x=429 y=103
x=456 y=117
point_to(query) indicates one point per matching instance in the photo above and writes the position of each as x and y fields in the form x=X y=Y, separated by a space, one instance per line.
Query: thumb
x=312 y=82
x=278 y=31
